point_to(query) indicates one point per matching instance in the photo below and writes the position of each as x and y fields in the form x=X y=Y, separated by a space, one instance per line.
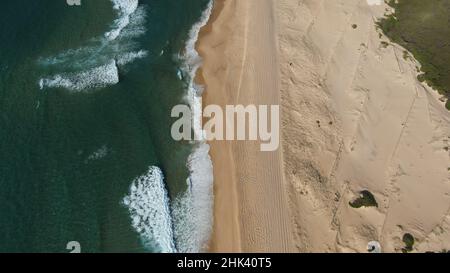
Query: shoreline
x=226 y=235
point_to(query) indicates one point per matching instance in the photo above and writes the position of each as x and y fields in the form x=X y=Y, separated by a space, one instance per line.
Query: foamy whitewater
x=97 y=77
x=96 y=65
x=101 y=153
x=125 y=9
x=193 y=212
x=189 y=223
x=185 y=223
x=148 y=204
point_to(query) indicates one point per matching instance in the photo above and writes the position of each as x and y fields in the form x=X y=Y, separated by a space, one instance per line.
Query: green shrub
x=366 y=199
x=409 y=241
x=423 y=28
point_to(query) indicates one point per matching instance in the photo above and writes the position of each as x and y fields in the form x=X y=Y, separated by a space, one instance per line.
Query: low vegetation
x=409 y=241
x=423 y=28
x=366 y=199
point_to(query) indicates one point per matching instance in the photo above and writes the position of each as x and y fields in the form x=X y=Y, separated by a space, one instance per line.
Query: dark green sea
x=85 y=99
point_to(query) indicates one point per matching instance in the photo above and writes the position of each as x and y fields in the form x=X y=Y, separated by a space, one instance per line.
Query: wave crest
x=125 y=8
x=93 y=61
x=97 y=77
x=193 y=211
x=148 y=205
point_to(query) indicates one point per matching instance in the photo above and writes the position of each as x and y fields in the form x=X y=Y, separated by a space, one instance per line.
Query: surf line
x=193 y=211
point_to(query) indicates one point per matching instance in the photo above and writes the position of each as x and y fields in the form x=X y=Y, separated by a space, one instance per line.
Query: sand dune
x=380 y=130
x=354 y=117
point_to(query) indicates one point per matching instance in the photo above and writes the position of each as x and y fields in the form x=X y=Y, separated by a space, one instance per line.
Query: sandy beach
x=354 y=118
x=241 y=67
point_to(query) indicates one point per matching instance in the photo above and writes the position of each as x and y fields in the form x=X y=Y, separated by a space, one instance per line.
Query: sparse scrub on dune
x=409 y=241
x=423 y=28
x=366 y=199
x=384 y=44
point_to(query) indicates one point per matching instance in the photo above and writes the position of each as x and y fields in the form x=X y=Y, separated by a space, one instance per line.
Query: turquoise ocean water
x=85 y=148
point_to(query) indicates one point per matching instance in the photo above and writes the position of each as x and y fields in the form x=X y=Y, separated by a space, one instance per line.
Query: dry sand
x=241 y=67
x=354 y=117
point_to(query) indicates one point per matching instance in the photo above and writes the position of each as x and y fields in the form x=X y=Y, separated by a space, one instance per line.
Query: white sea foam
x=101 y=49
x=136 y=25
x=130 y=57
x=192 y=212
x=97 y=77
x=93 y=61
x=148 y=204
x=191 y=62
x=102 y=152
x=124 y=8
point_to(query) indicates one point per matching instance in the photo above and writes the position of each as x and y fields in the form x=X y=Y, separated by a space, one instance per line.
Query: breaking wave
x=125 y=9
x=98 y=61
x=131 y=56
x=148 y=204
x=187 y=225
x=192 y=212
x=97 y=77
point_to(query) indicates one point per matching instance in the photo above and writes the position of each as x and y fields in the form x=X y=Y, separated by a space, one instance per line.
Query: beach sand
x=241 y=67
x=354 y=117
